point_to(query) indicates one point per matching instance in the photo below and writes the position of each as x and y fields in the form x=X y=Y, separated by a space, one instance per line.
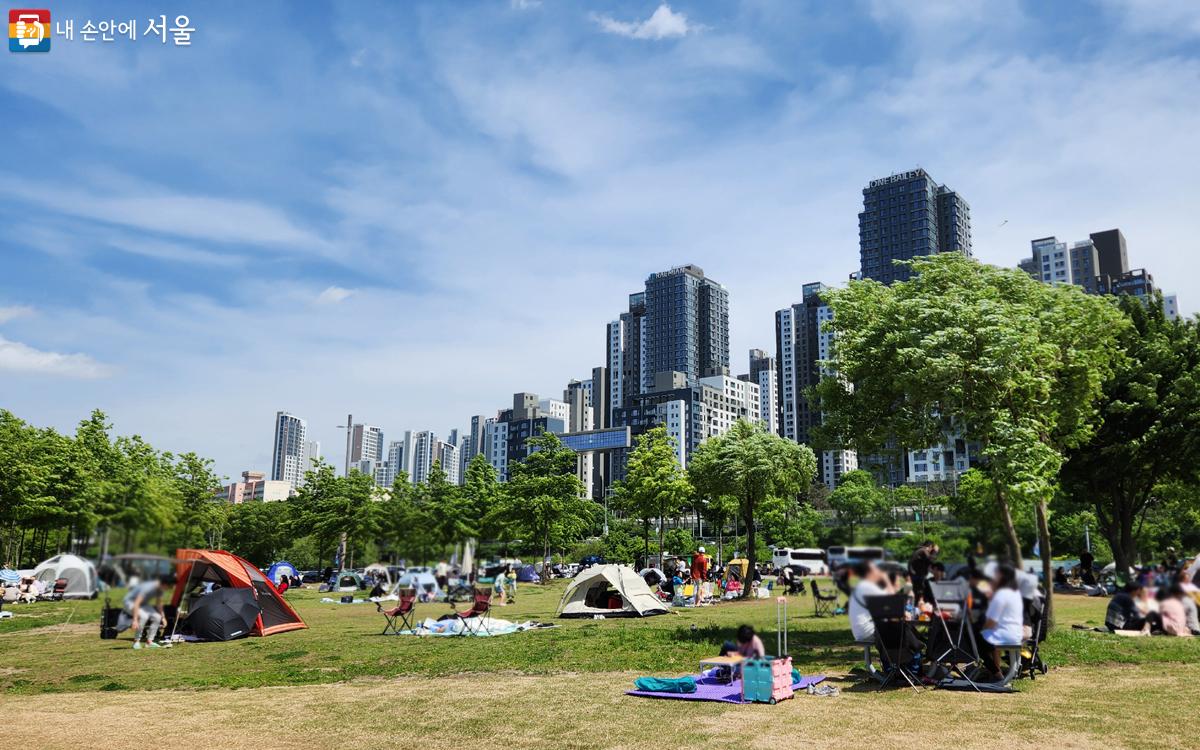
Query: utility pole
x=349 y=433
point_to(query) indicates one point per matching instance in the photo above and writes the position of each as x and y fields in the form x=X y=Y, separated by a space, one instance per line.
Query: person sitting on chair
x=1005 y=621
x=871 y=582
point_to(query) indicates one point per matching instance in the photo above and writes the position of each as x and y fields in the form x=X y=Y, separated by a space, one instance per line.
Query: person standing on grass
x=699 y=574
x=144 y=605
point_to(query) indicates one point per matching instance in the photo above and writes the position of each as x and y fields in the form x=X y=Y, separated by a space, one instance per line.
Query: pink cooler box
x=767 y=680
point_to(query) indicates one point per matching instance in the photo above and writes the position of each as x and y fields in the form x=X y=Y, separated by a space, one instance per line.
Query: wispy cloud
x=14 y=311
x=664 y=23
x=333 y=295
x=22 y=358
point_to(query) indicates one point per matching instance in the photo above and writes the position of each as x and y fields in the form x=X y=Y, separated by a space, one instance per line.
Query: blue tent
x=280 y=569
x=528 y=574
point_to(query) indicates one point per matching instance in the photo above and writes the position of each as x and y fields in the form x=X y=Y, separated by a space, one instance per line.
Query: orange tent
x=196 y=566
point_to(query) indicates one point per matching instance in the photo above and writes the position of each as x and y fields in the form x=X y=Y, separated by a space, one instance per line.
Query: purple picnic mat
x=708 y=689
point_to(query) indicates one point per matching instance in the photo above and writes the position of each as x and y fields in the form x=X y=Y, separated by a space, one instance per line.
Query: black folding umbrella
x=224 y=614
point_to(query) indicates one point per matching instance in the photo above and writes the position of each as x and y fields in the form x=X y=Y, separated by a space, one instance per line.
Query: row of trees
x=90 y=490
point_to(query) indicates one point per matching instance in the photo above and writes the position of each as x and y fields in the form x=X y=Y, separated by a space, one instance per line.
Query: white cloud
x=333 y=295
x=1171 y=17
x=21 y=358
x=14 y=311
x=663 y=24
x=526 y=4
x=150 y=208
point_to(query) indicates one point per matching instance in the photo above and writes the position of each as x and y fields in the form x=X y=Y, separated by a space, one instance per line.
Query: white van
x=808 y=557
x=838 y=555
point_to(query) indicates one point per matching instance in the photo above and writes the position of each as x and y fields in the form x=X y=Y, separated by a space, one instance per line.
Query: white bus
x=839 y=555
x=808 y=557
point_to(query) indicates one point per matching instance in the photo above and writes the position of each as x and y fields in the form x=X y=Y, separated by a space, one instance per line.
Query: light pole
x=349 y=428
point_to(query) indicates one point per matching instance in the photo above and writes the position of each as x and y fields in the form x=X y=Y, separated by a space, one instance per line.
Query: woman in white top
x=1005 y=618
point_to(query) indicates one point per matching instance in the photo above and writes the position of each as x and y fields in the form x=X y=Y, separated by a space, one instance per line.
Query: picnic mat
x=709 y=689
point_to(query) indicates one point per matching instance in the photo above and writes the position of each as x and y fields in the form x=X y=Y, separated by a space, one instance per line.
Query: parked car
x=895 y=532
x=311 y=576
x=591 y=560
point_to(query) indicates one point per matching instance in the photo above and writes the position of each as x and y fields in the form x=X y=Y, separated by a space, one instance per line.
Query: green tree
x=481 y=490
x=856 y=499
x=201 y=515
x=975 y=505
x=717 y=511
x=655 y=487
x=1150 y=412
x=752 y=465
x=966 y=348
x=258 y=531
x=452 y=515
x=542 y=498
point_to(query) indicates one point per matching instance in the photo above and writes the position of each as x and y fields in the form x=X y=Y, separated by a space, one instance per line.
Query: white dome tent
x=80 y=575
x=612 y=591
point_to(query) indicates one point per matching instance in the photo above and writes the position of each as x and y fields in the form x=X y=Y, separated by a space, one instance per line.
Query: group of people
x=999 y=614
x=1159 y=601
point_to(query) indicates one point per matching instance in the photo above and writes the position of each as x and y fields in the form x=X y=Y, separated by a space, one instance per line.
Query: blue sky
x=409 y=211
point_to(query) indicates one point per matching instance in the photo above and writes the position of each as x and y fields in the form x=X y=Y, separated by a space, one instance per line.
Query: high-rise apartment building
x=626 y=354
x=905 y=216
x=508 y=435
x=803 y=340
x=288 y=462
x=1099 y=264
x=366 y=442
x=686 y=325
x=312 y=454
x=765 y=374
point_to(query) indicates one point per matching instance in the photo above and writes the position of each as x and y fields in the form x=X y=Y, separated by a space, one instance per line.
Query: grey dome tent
x=80 y=575
x=612 y=591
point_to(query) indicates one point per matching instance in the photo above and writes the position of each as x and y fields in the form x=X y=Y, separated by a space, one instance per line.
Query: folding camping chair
x=59 y=590
x=823 y=604
x=891 y=641
x=480 y=611
x=401 y=614
x=952 y=641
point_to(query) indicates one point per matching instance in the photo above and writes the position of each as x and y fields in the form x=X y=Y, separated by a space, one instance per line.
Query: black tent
x=224 y=614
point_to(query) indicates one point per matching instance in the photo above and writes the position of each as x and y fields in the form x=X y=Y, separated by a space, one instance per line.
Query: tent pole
x=186 y=588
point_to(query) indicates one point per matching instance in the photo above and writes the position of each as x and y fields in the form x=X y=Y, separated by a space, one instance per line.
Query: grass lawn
x=340 y=684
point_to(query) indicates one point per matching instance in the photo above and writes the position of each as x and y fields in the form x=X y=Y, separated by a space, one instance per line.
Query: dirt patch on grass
x=1068 y=709
x=9 y=671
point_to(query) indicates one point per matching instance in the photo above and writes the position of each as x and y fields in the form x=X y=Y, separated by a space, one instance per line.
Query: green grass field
x=55 y=648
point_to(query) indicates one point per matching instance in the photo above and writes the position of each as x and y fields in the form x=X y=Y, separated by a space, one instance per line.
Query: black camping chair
x=952 y=643
x=823 y=604
x=893 y=640
x=1036 y=614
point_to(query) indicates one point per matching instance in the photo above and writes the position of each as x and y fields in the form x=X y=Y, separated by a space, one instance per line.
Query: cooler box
x=767 y=680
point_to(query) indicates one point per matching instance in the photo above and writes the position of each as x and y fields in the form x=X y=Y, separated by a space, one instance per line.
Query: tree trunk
x=750 y=556
x=661 y=536
x=1010 y=530
x=1043 y=523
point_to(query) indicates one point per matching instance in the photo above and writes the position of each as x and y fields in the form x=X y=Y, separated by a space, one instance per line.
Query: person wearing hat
x=699 y=573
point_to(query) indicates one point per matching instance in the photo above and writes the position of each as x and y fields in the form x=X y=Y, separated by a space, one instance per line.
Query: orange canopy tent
x=196 y=566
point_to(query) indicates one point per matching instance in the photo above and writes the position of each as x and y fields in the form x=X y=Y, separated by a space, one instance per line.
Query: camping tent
x=382 y=575
x=280 y=569
x=528 y=574
x=653 y=576
x=80 y=575
x=197 y=566
x=609 y=590
x=425 y=584
x=346 y=581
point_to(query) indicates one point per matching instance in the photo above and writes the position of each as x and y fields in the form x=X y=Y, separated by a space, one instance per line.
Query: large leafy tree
x=655 y=487
x=201 y=517
x=453 y=517
x=1150 y=433
x=543 y=497
x=481 y=491
x=752 y=465
x=966 y=348
x=856 y=499
x=258 y=531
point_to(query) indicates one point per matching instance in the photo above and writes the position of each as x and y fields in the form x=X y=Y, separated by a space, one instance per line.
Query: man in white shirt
x=871 y=582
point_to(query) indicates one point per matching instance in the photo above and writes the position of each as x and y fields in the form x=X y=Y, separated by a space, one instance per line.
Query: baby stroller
x=1031 y=659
